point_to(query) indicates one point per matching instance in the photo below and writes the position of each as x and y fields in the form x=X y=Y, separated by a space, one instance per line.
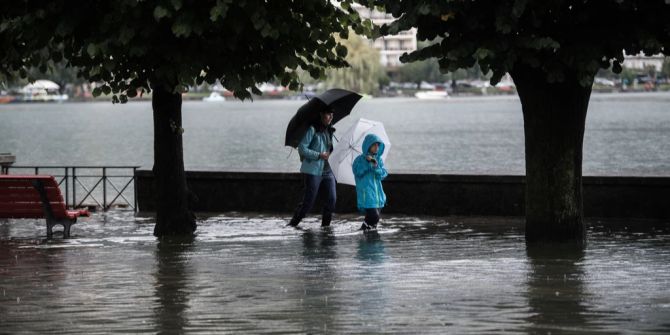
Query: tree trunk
x=173 y=216
x=554 y=115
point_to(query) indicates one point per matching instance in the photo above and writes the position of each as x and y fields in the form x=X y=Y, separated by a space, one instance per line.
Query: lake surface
x=251 y=274
x=626 y=134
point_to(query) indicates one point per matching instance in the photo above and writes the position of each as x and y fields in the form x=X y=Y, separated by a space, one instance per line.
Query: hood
x=371 y=139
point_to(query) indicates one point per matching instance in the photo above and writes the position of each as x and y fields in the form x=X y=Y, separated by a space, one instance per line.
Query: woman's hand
x=324 y=155
x=371 y=160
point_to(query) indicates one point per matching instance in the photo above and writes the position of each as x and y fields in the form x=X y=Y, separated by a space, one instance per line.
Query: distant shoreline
x=596 y=96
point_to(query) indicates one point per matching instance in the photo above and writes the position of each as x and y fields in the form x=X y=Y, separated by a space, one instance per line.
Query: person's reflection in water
x=556 y=294
x=319 y=304
x=371 y=248
x=320 y=246
x=172 y=276
x=371 y=255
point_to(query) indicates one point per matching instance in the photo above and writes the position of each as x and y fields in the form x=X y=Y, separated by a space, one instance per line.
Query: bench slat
x=29 y=195
x=26 y=180
x=22 y=215
x=25 y=176
x=58 y=208
x=30 y=204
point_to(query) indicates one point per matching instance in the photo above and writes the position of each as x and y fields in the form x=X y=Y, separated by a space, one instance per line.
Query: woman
x=314 y=149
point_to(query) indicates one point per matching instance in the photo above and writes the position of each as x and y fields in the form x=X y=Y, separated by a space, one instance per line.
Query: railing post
x=67 y=188
x=104 y=188
x=74 y=187
x=135 y=189
x=37 y=170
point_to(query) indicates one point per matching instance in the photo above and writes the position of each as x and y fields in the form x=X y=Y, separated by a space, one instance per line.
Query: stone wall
x=416 y=194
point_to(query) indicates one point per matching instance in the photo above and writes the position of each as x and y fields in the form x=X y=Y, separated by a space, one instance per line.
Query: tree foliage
x=364 y=71
x=129 y=45
x=556 y=36
x=425 y=70
x=666 y=66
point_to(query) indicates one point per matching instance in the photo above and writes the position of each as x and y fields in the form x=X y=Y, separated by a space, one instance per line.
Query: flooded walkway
x=249 y=273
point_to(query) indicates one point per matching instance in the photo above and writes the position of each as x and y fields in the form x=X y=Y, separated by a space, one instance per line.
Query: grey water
x=248 y=273
x=626 y=134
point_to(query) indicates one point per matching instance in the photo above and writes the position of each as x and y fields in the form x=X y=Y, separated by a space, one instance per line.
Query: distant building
x=641 y=62
x=393 y=46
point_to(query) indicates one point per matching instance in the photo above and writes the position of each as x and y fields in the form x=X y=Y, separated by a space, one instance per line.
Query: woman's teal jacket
x=369 y=191
x=312 y=144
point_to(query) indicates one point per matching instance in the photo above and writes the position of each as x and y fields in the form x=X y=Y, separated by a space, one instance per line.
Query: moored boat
x=433 y=95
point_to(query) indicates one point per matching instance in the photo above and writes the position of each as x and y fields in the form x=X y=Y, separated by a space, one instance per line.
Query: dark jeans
x=372 y=216
x=312 y=185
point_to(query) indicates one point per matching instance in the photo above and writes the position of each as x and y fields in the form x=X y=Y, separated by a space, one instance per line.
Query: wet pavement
x=249 y=273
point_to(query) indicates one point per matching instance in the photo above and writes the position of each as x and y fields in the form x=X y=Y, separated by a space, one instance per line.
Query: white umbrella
x=350 y=145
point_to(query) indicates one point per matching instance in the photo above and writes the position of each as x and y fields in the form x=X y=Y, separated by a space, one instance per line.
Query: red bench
x=34 y=196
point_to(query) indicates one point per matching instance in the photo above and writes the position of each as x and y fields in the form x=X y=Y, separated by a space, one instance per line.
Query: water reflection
x=32 y=276
x=556 y=294
x=373 y=293
x=319 y=245
x=371 y=248
x=319 y=304
x=4 y=229
x=171 y=287
x=254 y=275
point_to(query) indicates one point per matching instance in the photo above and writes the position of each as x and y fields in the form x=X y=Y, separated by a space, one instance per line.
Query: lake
x=626 y=134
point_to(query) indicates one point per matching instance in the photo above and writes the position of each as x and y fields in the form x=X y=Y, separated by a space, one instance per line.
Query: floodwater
x=251 y=274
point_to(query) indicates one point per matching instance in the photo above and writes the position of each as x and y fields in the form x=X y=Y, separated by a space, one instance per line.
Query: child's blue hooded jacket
x=369 y=191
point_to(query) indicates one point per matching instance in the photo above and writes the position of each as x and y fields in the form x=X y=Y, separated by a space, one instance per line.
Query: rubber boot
x=294 y=221
x=325 y=219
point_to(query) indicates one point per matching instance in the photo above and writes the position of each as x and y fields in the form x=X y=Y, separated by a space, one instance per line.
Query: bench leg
x=50 y=232
x=66 y=227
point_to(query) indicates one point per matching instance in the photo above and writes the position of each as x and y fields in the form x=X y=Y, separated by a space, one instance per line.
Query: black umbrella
x=339 y=100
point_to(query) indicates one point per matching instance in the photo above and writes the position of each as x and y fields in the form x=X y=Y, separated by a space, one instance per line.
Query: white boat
x=434 y=95
x=214 y=97
x=42 y=90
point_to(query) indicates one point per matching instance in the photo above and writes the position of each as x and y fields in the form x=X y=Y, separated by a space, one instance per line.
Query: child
x=369 y=171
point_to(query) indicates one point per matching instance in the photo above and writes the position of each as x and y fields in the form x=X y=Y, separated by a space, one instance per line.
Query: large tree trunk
x=554 y=115
x=173 y=216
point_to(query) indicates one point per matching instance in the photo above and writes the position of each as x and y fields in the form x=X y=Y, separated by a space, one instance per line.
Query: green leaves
x=123 y=46
x=341 y=50
x=558 y=37
x=181 y=29
x=544 y=43
x=220 y=10
x=92 y=50
x=161 y=12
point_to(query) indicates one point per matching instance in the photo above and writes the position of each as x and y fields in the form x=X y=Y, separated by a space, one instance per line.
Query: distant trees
x=162 y=47
x=552 y=49
x=364 y=72
x=416 y=72
x=666 y=67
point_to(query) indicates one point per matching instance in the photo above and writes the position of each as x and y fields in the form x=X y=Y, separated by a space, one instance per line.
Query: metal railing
x=96 y=182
